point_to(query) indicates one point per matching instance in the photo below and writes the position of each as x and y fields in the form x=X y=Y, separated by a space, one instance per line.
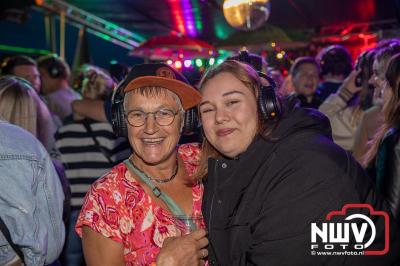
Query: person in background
x=374 y=117
x=20 y=105
x=305 y=77
x=277 y=76
x=126 y=217
x=100 y=110
x=24 y=67
x=31 y=200
x=254 y=60
x=335 y=64
x=55 y=74
x=383 y=158
x=268 y=177
x=346 y=108
x=88 y=150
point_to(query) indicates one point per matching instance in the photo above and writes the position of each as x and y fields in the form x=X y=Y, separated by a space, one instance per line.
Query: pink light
x=176 y=11
x=182 y=12
x=187 y=63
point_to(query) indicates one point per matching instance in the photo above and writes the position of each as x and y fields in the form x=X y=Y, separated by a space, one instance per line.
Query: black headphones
x=118 y=122
x=55 y=69
x=268 y=103
x=53 y=66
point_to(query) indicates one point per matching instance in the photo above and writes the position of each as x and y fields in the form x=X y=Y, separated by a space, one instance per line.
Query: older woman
x=129 y=212
x=272 y=171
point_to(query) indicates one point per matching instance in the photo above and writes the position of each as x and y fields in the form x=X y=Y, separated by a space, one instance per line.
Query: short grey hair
x=157 y=91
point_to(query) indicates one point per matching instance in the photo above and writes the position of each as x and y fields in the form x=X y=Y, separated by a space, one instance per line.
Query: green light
x=199 y=63
x=112 y=26
x=197 y=15
x=219 y=61
x=24 y=50
x=113 y=62
x=101 y=35
x=222 y=29
x=211 y=61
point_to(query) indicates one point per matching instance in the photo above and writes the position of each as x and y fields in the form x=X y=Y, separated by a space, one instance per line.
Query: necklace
x=157 y=180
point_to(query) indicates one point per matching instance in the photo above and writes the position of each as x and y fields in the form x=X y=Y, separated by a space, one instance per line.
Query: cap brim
x=188 y=95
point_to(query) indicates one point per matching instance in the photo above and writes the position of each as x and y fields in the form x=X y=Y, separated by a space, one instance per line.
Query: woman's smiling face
x=228 y=113
x=151 y=142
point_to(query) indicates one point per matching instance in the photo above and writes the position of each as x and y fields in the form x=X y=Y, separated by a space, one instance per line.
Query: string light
x=187 y=63
x=178 y=64
x=199 y=62
x=211 y=61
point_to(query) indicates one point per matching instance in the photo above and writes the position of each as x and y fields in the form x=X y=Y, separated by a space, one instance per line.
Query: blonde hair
x=17 y=104
x=21 y=106
x=97 y=85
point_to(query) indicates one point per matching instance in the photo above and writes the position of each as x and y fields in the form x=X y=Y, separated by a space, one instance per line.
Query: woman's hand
x=350 y=82
x=185 y=250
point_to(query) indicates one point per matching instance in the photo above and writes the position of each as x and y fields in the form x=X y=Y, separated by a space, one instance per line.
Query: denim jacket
x=31 y=198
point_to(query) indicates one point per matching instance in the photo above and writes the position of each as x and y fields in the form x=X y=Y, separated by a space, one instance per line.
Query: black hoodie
x=259 y=207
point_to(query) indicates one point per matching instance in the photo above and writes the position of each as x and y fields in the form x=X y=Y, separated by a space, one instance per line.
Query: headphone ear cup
x=191 y=121
x=268 y=103
x=118 y=121
x=53 y=71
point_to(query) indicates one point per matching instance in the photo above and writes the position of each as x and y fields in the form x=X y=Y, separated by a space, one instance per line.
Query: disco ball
x=246 y=15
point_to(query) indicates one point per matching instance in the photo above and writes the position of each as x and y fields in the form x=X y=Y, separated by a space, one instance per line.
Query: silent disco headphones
x=268 y=103
x=53 y=65
x=165 y=76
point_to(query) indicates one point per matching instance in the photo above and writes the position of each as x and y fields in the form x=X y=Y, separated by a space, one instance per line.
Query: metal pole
x=62 y=35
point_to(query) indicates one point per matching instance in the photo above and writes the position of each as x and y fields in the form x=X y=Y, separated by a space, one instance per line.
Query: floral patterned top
x=118 y=207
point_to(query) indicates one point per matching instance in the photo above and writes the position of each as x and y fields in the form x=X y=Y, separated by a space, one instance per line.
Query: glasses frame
x=126 y=114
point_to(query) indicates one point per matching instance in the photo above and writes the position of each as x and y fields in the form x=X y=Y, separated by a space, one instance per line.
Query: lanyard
x=172 y=205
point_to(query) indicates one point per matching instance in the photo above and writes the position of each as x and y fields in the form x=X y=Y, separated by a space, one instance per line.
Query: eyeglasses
x=163 y=117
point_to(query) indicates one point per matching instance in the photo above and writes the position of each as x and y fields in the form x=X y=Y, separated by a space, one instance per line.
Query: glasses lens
x=136 y=118
x=164 y=117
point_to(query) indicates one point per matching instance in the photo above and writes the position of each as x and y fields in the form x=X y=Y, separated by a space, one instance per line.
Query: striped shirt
x=83 y=160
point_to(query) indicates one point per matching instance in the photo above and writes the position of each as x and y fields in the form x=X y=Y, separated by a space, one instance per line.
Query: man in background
x=335 y=64
x=305 y=78
x=55 y=74
x=24 y=67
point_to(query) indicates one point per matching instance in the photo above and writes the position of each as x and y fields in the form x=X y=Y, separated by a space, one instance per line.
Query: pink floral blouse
x=117 y=207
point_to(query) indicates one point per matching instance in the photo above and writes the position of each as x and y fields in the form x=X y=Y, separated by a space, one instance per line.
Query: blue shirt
x=31 y=198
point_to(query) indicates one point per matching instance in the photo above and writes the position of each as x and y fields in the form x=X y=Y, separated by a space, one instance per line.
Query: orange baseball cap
x=162 y=75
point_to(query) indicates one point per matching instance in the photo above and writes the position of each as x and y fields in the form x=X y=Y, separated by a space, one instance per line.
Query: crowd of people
x=137 y=166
